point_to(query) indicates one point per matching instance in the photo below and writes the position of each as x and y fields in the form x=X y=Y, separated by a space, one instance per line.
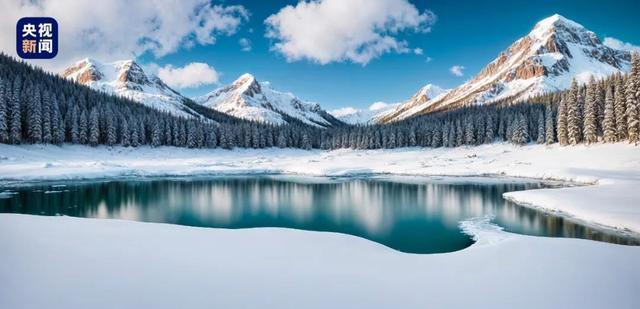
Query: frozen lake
x=415 y=215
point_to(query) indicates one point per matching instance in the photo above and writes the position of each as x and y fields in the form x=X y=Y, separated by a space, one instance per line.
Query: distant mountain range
x=245 y=98
x=546 y=60
x=379 y=110
x=126 y=78
x=249 y=99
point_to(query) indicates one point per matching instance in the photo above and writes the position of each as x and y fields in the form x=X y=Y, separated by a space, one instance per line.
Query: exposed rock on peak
x=126 y=78
x=547 y=59
x=249 y=99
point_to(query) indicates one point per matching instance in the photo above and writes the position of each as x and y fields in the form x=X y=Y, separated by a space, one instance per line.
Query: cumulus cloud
x=418 y=51
x=428 y=59
x=325 y=31
x=620 y=45
x=245 y=44
x=191 y=75
x=457 y=70
x=379 y=105
x=118 y=29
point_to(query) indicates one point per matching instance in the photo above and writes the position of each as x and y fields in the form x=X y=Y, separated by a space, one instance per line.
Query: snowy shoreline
x=611 y=170
x=152 y=265
x=167 y=266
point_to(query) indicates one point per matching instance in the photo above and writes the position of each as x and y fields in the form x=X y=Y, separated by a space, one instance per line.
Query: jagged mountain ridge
x=380 y=110
x=127 y=79
x=352 y=115
x=249 y=99
x=547 y=59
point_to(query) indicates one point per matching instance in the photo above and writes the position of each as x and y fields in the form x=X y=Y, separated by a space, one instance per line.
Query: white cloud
x=325 y=31
x=191 y=75
x=428 y=59
x=119 y=29
x=617 y=44
x=418 y=51
x=379 y=105
x=344 y=111
x=245 y=44
x=457 y=70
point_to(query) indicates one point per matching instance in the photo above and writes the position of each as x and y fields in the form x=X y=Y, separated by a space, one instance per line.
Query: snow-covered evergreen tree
x=125 y=134
x=83 y=128
x=573 y=114
x=540 y=134
x=47 y=135
x=4 y=121
x=548 y=124
x=94 y=128
x=112 y=132
x=15 y=118
x=633 y=122
x=590 y=126
x=57 y=123
x=609 y=122
x=519 y=135
x=620 y=105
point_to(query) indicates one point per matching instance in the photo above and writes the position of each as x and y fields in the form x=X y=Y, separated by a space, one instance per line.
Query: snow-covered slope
x=249 y=99
x=363 y=116
x=547 y=59
x=126 y=78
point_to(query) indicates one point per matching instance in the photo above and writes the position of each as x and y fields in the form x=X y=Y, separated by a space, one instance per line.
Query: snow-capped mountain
x=378 y=111
x=249 y=99
x=547 y=59
x=126 y=78
x=352 y=115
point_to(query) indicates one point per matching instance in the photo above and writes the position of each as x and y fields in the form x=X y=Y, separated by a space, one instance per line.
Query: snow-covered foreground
x=613 y=168
x=63 y=262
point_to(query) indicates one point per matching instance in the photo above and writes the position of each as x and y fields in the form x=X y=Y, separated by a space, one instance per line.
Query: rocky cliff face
x=547 y=59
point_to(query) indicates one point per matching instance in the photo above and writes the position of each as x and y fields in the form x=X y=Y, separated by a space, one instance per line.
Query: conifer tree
x=561 y=129
x=125 y=135
x=540 y=136
x=609 y=123
x=519 y=136
x=15 y=129
x=633 y=129
x=94 y=128
x=620 y=106
x=34 y=116
x=57 y=123
x=47 y=135
x=590 y=114
x=83 y=127
x=4 y=122
x=74 y=127
x=112 y=135
x=573 y=114
x=548 y=123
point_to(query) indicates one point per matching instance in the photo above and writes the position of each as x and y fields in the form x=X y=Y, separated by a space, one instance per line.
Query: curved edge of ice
x=484 y=232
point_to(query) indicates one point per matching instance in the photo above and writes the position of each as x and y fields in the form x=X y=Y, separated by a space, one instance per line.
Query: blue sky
x=467 y=33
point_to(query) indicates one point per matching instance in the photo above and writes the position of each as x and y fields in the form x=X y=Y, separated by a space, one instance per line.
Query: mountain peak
x=249 y=99
x=556 y=20
x=546 y=60
x=127 y=78
x=246 y=76
x=560 y=28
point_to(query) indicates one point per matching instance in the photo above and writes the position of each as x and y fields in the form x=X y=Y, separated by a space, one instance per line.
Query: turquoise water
x=420 y=216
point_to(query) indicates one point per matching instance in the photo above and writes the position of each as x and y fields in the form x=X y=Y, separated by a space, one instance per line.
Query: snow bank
x=614 y=168
x=63 y=262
